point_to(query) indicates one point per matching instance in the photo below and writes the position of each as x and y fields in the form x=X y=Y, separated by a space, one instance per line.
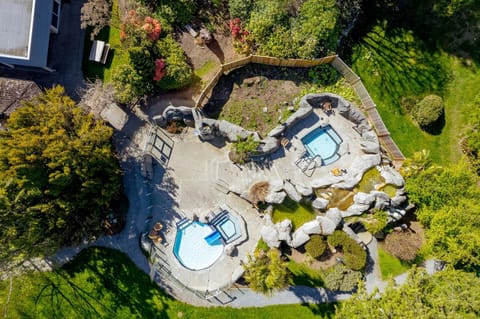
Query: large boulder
x=320 y=203
x=275 y=197
x=299 y=238
x=232 y=131
x=334 y=215
x=322 y=183
x=304 y=190
x=398 y=201
x=382 y=200
x=277 y=130
x=392 y=176
x=292 y=192
x=356 y=209
x=270 y=236
x=326 y=224
x=363 y=198
x=311 y=227
x=268 y=145
x=370 y=147
x=284 y=229
x=302 y=112
x=368 y=134
x=275 y=185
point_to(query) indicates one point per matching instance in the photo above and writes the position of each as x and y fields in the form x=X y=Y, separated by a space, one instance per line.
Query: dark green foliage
x=471 y=141
x=446 y=294
x=174 y=12
x=323 y=74
x=178 y=73
x=428 y=110
x=290 y=29
x=58 y=176
x=341 y=278
x=316 y=246
x=240 y=9
x=142 y=61
x=355 y=256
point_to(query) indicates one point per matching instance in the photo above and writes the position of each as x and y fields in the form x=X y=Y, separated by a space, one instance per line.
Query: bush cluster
x=355 y=255
x=305 y=29
x=155 y=59
x=342 y=279
x=428 y=110
x=316 y=246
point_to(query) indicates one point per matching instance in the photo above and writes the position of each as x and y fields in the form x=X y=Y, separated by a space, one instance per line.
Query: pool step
x=220 y=220
x=183 y=223
x=217 y=218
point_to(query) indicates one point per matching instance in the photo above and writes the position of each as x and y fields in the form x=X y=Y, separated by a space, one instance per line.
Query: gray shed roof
x=25 y=31
x=13 y=92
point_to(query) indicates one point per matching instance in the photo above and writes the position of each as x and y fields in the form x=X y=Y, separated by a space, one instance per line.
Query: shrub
x=178 y=73
x=376 y=222
x=129 y=85
x=342 y=279
x=243 y=149
x=428 y=110
x=95 y=14
x=316 y=246
x=323 y=74
x=355 y=255
x=471 y=142
x=240 y=8
x=176 y=11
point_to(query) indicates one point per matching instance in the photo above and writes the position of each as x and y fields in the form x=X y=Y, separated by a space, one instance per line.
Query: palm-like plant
x=267 y=272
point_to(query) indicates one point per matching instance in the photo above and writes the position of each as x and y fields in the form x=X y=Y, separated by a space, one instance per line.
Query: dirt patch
x=404 y=244
x=328 y=260
x=257 y=97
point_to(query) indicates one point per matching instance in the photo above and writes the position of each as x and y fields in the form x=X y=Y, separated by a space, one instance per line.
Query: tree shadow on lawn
x=436 y=128
x=400 y=64
x=118 y=284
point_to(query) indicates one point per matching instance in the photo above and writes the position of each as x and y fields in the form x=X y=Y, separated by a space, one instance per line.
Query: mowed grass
x=104 y=283
x=391 y=266
x=298 y=213
x=117 y=56
x=396 y=64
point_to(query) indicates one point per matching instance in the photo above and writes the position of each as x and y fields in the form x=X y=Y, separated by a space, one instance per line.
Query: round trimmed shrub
x=355 y=255
x=428 y=110
x=316 y=246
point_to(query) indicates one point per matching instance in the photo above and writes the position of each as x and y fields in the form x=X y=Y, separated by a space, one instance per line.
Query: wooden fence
x=371 y=110
x=352 y=78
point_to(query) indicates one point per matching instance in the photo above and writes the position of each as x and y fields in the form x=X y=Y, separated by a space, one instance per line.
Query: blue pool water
x=324 y=142
x=192 y=250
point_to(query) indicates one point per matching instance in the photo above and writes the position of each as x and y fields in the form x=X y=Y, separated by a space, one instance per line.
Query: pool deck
x=195 y=170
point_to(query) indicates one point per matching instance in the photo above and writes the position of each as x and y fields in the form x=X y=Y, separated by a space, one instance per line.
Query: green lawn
x=391 y=265
x=298 y=213
x=117 y=56
x=104 y=283
x=395 y=64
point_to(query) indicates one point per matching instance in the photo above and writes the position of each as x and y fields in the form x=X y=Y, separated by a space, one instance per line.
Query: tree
x=95 y=14
x=266 y=272
x=447 y=294
x=316 y=246
x=355 y=255
x=454 y=234
x=58 y=176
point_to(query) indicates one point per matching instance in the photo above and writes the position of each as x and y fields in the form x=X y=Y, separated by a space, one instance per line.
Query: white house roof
x=25 y=31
